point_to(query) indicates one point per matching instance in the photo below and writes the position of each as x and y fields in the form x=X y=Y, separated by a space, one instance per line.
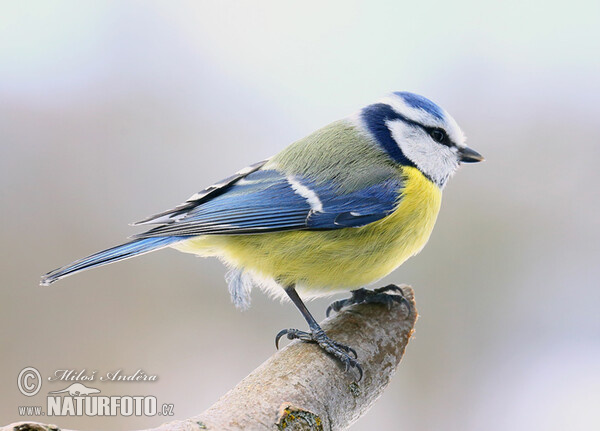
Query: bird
x=335 y=211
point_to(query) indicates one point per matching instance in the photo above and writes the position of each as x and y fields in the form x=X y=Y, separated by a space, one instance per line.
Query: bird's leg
x=317 y=335
x=365 y=296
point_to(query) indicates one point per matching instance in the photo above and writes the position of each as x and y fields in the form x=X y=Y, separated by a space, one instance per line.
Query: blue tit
x=335 y=211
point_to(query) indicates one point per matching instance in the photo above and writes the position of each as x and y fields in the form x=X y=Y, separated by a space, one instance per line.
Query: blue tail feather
x=114 y=254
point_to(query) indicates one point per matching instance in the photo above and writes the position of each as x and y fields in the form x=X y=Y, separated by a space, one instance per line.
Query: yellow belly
x=322 y=262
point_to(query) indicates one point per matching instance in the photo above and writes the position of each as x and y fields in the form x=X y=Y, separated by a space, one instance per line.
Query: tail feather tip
x=47 y=280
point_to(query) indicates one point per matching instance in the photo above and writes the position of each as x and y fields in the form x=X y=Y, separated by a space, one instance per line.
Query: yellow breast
x=322 y=262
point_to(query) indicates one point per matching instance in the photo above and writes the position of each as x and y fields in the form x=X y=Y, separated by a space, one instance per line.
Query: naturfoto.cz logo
x=78 y=399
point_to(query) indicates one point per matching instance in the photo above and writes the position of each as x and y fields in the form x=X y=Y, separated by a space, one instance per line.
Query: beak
x=467 y=155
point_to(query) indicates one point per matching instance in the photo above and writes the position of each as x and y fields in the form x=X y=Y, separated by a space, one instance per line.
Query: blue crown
x=420 y=102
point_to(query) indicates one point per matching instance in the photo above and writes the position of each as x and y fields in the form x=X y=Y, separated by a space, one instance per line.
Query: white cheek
x=436 y=161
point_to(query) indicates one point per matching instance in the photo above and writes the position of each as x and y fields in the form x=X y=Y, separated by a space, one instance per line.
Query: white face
x=435 y=160
x=416 y=136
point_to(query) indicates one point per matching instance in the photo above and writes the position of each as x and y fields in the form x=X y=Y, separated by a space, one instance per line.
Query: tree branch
x=302 y=388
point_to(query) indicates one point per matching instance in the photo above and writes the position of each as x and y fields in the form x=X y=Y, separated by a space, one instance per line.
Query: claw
x=401 y=299
x=351 y=350
x=278 y=336
x=360 y=372
x=335 y=306
x=293 y=334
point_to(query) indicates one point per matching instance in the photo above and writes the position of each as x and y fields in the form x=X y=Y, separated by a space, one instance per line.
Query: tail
x=115 y=254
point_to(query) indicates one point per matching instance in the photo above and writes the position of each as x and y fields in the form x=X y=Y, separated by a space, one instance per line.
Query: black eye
x=438 y=136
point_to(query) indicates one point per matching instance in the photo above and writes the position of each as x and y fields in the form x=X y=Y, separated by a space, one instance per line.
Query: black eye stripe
x=429 y=130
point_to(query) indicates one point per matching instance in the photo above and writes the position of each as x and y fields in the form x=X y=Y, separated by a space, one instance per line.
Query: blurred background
x=111 y=111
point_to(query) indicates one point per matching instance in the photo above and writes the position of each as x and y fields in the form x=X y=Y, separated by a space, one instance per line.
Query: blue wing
x=268 y=201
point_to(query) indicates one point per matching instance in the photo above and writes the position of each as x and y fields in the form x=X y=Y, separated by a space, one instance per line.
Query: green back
x=338 y=153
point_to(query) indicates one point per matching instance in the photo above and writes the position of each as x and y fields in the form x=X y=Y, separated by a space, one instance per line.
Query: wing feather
x=268 y=200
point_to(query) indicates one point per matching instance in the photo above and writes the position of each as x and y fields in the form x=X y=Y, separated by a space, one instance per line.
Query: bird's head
x=416 y=132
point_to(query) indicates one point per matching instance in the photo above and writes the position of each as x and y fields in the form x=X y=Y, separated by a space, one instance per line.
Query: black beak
x=468 y=155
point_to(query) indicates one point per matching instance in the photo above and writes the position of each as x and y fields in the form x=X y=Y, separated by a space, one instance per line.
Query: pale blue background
x=111 y=111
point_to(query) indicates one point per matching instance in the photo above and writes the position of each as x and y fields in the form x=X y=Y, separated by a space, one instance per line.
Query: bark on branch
x=300 y=387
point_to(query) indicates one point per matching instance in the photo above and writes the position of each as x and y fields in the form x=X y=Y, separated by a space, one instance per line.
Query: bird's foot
x=366 y=296
x=346 y=355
